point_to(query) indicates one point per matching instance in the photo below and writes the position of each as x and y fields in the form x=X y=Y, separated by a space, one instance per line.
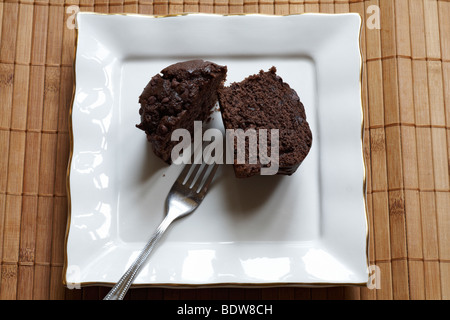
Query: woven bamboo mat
x=406 y=98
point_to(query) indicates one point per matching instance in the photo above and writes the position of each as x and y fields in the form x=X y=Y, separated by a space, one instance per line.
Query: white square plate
x=306 y=229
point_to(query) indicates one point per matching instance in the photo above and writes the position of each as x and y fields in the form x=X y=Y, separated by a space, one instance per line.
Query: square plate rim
x=215 y=284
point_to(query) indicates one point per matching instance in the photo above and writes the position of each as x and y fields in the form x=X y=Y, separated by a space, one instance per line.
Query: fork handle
x=119 y=290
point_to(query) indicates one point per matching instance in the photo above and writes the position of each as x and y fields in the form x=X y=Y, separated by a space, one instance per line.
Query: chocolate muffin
x=265 y=101
x=183 y=93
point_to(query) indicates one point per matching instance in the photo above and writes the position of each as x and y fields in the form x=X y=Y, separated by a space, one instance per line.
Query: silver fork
x=184 y=197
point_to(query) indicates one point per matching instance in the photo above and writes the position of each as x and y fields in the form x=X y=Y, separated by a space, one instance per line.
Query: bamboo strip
x=9 y=35
x=326 y=6
x=57 y=255
x=65 y=99
x=18 y=117
x=318 y=294
x=115 y=6
x=27 y=247
x=281 y=7
x=278 y=293
x=394 y=149
x=407 y=114
x=217 y=294
x=57 y=291
x=20 y=97
x=221 y=7
x=141 y=294
x=443 y=227
x=432 y=35
x=206 y=6
x=157 y=294
x=6 y=80
x=431 y=251
x=2 y=223
x=375 y=139
x=16 y=162
x=267 y=293
x=41 y=286
x=402 y=29
x=311 y=6
x=63 y=147
x=421 y=113
x=398 y=245
x=91 y=293
x=9 y=280
x=161 y=7
x=417 y=27
x=344 y=7
x=175 y=6
x=11 y=206
x=31 y=179
x=101 y=6
x=130 y=7
x=87 y=5
x=51 y=98
x=408 y=142
x=48 y=153
x=390 y=86
x=382 y=242
x=251 y=6
x=10 y=254
x=36 y=96
x=443 y=199
x=387 y=15
x=440 y=163
x=1 y=20
x=444 y=29
x=437 y=110
x=15 y=178
x=302 y=293
x=191 y=6
x=296 y=6
x=266 y=7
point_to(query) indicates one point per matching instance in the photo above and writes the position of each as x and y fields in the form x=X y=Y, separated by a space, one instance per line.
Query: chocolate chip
x=151 y=100
x=171 y=121
x=163 y=129
x=185 y=94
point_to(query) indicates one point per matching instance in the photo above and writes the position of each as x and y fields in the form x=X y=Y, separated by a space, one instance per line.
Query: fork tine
x=199 y=180
x=210 y=178
x=183 y=174
x=193 y=174
x=201 y=187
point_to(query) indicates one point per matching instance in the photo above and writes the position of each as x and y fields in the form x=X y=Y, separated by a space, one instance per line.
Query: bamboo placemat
x=406 y=99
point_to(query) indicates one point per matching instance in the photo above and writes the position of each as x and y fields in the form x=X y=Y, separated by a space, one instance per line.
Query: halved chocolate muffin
x=183 y=93
x=265 y=101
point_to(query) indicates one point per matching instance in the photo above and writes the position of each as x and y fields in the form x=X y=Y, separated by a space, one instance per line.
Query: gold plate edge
x=226 y=284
